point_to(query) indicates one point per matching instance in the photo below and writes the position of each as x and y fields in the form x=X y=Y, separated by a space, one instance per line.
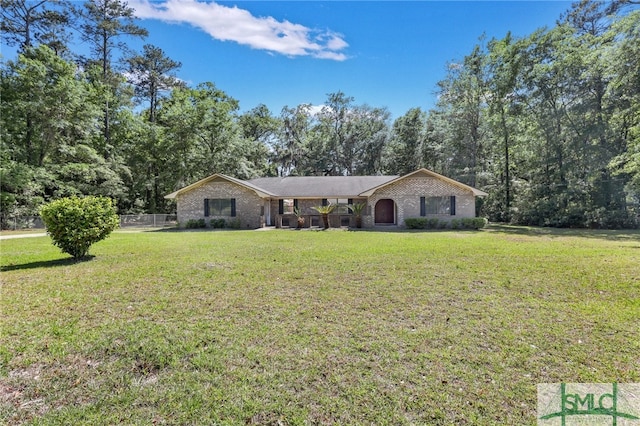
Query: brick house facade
x=271 y=201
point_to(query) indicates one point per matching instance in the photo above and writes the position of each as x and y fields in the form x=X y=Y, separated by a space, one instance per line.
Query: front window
x=288 y=204
x=437 y=205
x=220 y=207
x=341 y=205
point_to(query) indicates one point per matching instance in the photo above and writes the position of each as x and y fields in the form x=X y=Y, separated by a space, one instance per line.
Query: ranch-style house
x=272 y=201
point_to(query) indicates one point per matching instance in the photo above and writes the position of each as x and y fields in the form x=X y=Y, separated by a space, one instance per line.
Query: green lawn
x=303 y=327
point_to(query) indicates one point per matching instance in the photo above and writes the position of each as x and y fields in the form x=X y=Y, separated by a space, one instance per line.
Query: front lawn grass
x=287 y=327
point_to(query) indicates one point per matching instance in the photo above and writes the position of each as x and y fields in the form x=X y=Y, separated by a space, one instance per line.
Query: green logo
x=588 y=404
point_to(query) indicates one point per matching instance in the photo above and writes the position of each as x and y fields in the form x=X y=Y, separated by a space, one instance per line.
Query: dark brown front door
x=384 y=212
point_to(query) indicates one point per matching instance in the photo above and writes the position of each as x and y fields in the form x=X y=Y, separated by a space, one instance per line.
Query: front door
x=385 y=212
x=267 y=212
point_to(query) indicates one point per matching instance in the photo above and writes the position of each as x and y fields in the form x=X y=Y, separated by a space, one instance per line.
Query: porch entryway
x=385 y=212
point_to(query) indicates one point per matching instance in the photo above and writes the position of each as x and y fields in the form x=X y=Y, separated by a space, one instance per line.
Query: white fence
x=126 y=221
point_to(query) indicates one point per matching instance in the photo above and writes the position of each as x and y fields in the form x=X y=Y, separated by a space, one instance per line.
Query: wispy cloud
x=239 y=25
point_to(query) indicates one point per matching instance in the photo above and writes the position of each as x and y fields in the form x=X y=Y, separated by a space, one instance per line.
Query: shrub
x=235 y=223
x=602 y=218
x=474 y=223
x=218 y=223
x=425 y=223
x=195 y=224
x=74 y=224
x=415 y=223
x=435 y=223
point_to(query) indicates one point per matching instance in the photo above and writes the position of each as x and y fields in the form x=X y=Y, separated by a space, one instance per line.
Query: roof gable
x=261 y=192
x=428 y=173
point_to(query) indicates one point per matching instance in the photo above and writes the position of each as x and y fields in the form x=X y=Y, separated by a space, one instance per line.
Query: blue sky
x=383 y=53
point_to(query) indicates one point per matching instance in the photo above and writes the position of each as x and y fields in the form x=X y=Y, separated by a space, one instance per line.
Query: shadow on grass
x=46 y=263
x=605 y=234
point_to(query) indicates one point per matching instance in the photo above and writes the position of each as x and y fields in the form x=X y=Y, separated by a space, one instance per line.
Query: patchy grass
x=287 y=327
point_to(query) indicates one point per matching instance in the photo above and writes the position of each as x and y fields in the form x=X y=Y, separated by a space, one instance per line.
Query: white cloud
x=234 y=24
x=315 y=110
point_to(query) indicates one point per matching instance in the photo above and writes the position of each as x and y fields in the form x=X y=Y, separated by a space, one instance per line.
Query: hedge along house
x=272 y=201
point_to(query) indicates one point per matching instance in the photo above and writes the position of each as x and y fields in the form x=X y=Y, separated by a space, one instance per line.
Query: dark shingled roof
x=319 y=186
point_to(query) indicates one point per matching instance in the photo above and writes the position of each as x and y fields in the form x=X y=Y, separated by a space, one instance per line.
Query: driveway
x=10 y=237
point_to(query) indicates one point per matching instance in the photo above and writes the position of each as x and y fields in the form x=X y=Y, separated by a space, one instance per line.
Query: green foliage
x=474 y=222
x=259 y=129
x=44 y=106
x=421 y=223
x=547 y=123
x=435 y=223
x=142 y=334
x=151 y=73
x=235 y=223
x=342 y=139
x=74 y=224
x=218 y=223
x=353 y=136
x=357 y=208
x=195 y=224
x=325 y=211
x=25 y=24
x=407 y=142
x=105 y=22
x=605 y=219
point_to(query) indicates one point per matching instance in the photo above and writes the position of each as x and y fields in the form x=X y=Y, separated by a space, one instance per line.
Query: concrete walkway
x=44 y=234
x=11 y=237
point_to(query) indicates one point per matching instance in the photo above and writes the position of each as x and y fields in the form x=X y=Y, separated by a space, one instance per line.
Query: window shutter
x=324 y=201
x=423 y=206
x=453 y=205
x=280 y=206
x=233 y=207
x=295 y=203
x=206 y=207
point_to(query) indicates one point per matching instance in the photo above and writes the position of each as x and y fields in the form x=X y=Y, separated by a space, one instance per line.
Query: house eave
x=475 y=191
x=259 y=191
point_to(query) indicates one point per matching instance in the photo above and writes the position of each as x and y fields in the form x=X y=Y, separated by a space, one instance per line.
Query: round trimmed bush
x=74 y=224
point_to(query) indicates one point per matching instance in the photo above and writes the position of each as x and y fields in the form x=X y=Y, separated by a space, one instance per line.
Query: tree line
x=547 y=124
